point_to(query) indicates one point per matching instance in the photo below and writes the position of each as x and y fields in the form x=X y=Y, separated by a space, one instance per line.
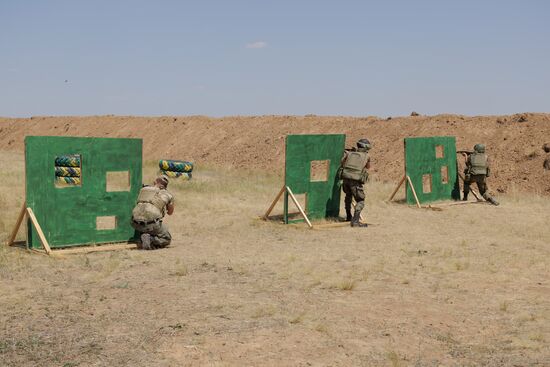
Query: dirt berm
x=514 y=142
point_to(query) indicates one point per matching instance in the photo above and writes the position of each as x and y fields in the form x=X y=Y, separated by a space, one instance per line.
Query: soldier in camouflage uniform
x=152 y=204
x=477 y=170
x=354 y=172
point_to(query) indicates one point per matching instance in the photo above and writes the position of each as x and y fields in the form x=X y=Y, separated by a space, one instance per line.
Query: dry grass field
x=465 y=286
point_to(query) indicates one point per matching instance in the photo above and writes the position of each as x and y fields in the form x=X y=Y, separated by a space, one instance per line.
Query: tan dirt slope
x=514 y=142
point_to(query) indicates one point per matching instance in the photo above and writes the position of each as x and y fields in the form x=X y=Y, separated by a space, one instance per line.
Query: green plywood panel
x=68 y=215
x=421 y=159
x=322 y=197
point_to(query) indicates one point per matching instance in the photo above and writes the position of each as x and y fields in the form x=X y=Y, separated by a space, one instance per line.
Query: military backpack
x=150 y=206
x=355 y=166
x=478 y=164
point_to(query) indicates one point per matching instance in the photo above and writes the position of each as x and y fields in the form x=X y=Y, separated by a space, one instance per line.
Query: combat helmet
x=163 y=180
x=364 y=144
x=479 y=148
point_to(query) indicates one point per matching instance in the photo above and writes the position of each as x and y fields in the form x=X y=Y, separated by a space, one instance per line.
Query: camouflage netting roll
x=67 y=171
x=175 y=166
x=185 y=176
x=68 y=161
x=69 y=181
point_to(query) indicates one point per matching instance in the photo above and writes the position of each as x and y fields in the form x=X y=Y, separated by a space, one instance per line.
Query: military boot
x=348 y=215
x=465 y=197
x=493 y=201
x=146 y=242
x=355 y=220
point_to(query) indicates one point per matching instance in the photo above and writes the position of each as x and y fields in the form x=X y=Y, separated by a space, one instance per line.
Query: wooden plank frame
x=414 y=192
x=431 y=206
x=294 y=200
x=27 y=212
x=408 y=181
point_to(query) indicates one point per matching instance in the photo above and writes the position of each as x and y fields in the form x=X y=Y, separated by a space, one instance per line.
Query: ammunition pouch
x=339 y=173
x=364 y=176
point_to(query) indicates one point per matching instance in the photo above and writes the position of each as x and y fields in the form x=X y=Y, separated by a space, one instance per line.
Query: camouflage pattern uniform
x=477 y=170
x=354 y=166
x=147 y=217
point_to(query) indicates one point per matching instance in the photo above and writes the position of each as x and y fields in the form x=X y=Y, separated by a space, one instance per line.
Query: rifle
x=352 y=149
x=467 y=152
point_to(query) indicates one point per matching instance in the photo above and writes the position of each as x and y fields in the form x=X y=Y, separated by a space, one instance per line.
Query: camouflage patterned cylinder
x=67 y=171
x=185 y=176
x=67 y=181
x=175 y=166
x=68 y=161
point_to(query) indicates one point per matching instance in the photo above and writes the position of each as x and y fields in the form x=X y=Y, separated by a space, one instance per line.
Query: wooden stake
x=397 y=188
x=39 y=230
x=17 y=224
x=274 y=203
x=414 y=192
x=88 y=249
x=299 y=207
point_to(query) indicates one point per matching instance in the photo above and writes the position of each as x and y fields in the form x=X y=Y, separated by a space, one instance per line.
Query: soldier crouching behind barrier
x=477 y=170
x=354 y=172
x=152 y=204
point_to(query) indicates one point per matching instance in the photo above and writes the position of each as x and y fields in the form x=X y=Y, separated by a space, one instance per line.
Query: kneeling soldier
x=477 y=170
x=152 y=204
x=354 y=172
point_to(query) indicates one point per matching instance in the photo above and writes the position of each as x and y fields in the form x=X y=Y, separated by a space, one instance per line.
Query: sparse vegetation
x=504 y=306
x=236 y=287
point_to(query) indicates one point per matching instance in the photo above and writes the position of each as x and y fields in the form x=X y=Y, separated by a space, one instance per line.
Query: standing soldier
x=354 y=172
x=477 y=170
x=152 y=204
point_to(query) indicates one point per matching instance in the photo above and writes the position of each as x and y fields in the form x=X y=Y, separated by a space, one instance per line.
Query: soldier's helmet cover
x=163 y=179
x=480 y=148
x=364 y=144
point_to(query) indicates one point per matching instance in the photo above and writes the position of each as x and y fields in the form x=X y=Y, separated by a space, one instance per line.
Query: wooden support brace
x=397 y=188
x=88 y=249
x=274 y=203
x=414 y=192
x=28 y=212
x=39 y=231
x=17 y=224
x=299 y=207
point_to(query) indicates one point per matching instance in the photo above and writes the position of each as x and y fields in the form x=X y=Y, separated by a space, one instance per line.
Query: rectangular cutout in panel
x=319 y=171
x=105 y=223
x=68 y=170
x=444 y=175
x=439 y=151
x=117 y=181
x=426 y=184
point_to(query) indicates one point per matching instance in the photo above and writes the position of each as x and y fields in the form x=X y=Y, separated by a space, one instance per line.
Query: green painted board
x=68 y=215
x=431 y=164
x=322 y=190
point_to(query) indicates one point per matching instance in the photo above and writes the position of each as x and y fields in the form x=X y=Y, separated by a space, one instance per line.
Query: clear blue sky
x=239 y=57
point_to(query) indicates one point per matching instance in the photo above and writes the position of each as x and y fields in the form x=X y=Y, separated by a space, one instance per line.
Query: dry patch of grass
x=417 y=286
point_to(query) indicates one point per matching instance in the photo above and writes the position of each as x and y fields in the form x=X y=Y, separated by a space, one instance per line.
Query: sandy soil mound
x=514 y=142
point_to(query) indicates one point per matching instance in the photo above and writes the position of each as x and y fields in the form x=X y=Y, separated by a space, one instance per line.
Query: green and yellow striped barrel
x=67 y=181
x=68 y=161
x=67 y=171
x=175 y=166
x=184 y=176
